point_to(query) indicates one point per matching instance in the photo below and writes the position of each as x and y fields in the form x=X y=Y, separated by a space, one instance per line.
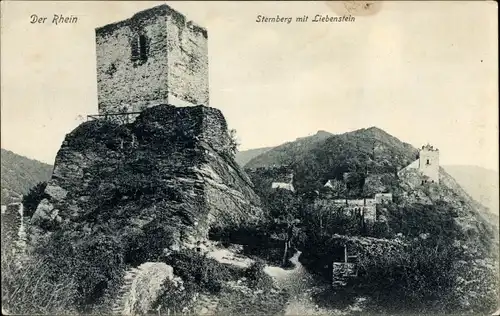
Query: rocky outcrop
x=142 y=286
x=172 y=167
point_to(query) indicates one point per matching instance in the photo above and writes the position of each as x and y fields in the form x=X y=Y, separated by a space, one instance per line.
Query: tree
x=284 y=212
x=233 y=143
x=35 y=195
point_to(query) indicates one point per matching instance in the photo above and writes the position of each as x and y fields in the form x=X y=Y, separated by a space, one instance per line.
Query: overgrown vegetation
x=422 y=276
x=274 y=240
x=237 y=290
x=34 y=196
x=28 y=289
x=202 y=273
x=95 y=263
x=28 y=286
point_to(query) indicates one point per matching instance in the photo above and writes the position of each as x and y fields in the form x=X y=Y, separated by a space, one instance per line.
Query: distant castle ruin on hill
x=155 y=57
x=427 y=164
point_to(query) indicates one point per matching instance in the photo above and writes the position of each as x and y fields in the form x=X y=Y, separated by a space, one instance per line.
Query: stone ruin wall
x=175 y=71
x=353 y=207
x=13 y=230
x=124 y=85
x=187 y=54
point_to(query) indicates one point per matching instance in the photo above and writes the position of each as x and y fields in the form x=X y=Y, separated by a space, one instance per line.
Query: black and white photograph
x=165 y=158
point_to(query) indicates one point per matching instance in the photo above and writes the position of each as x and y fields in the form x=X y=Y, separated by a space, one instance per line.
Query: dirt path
x=298 y=282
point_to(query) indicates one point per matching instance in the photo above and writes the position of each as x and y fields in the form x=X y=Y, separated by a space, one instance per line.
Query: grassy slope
x=19 y=174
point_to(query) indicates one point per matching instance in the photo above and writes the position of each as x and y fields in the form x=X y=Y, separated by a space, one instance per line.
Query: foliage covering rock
x=122 y=194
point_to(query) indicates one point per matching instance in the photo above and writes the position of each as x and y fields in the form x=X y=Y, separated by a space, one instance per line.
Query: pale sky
x=422 y=71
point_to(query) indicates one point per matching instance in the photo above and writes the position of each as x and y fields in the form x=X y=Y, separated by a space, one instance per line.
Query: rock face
x=172 y=168
x=142 y=286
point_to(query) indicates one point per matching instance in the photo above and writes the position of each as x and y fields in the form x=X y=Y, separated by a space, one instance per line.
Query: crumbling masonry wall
x=174 y=72
x=187 y=46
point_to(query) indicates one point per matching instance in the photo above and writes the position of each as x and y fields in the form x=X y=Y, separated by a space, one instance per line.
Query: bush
x=256 y=276
x=175 y=299
x=201 y=272
x=149 y=244
x=95 y=261
x=233 y=144
x=31 y=200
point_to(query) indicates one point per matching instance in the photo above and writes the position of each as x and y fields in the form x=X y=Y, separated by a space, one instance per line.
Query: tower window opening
x=139 y=48
x=428 y=163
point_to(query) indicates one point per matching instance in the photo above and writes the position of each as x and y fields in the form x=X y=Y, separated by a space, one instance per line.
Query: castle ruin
x=427 y=164
x=155 y=57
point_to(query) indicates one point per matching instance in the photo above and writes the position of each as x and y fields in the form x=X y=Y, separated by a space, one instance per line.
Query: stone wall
x=381 y=198
x=414 y=165
x=352 y=208
x=174 y=72
x=283 y=185
x=187 y=61
x=128 y=86
x=214 y=128
x=12 y=226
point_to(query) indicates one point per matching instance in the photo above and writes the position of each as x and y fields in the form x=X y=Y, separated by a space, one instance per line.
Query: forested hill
x=324 y=156
x=19 y=174
x=285 y=154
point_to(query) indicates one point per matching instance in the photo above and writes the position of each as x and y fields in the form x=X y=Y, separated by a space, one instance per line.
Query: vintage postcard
x=249 y=158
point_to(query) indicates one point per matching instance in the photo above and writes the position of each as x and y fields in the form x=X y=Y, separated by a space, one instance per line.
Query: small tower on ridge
x=429 y=163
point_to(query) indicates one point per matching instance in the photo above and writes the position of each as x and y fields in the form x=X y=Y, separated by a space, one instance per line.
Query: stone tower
x=155 y=57
x=429 y=163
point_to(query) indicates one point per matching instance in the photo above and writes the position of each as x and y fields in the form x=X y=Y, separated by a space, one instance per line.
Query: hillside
x=480 y=183
x=286 y=153
x=324 y=156
x=244 y=156
x=291 y=152
x=19 y=174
